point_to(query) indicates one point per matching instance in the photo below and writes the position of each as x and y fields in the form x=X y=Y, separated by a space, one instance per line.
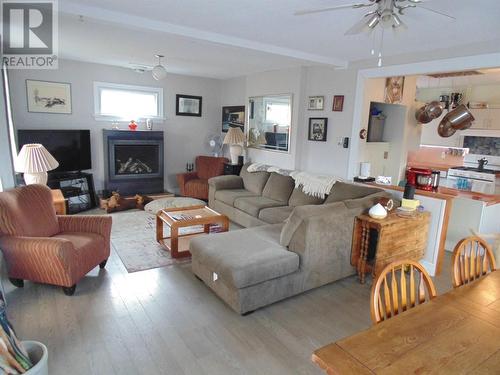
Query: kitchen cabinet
x=488 y=118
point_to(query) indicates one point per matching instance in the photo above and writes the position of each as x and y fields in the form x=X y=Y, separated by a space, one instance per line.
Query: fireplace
x=134 y=161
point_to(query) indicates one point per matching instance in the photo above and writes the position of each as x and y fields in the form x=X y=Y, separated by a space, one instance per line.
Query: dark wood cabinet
x=232 y=169
x=77 y=188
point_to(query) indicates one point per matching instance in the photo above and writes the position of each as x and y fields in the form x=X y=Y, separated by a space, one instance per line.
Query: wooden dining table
x=455 y=333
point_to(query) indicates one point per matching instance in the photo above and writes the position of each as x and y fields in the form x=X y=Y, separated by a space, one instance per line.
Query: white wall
x=286 y=81
x=319 y=157
x=184 y=136
x=327 y=157
x=401 y=131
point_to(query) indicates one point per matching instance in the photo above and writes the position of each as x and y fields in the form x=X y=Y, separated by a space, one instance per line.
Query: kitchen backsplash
x=482 y=145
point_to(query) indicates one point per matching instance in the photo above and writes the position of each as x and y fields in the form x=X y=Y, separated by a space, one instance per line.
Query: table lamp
x=34 y=161
x=234 y=138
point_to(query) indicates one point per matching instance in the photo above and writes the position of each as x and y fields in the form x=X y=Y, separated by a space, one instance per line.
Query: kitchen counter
x=449 y=193
x=433 y=166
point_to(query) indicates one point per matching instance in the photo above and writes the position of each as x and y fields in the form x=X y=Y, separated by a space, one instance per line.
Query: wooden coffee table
x=176 y=218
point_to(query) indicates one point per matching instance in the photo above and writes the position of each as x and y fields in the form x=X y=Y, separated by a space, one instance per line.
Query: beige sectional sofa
x=294 y=242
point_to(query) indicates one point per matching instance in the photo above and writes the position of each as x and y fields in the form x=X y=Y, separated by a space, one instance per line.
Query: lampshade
x=234 y=136
x=34 y=158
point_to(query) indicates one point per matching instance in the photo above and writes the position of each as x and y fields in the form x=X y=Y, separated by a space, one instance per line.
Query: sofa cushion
x=275 y=215
x=278 y=187
x=253 y=205
x=253 y=181
x=342 y=191
x=299 y=198
x=228 y=196
x=246 y=257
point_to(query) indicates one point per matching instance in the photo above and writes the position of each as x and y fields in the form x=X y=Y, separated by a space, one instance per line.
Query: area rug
x=133 y=237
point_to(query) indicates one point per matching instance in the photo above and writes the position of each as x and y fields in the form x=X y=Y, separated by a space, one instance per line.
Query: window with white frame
x=127 y=102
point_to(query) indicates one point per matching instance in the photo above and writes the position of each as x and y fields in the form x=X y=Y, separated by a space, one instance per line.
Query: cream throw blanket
x=314 y=184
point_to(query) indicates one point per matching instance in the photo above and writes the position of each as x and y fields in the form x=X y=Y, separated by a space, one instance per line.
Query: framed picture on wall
x=48 y=97
x=338 y=103
x=394 y=89
x=187 y=105
x=316 y=103
x=233 y=117
x=317 y=129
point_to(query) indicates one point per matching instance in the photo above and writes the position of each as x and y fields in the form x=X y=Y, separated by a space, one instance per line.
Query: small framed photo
x=317 y=129
x=233 y=117
x=187 y=105
x=316 y=103
x=338 y=103
x=48 y=97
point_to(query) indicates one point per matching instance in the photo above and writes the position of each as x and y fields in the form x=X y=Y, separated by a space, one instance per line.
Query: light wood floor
x=165 y=321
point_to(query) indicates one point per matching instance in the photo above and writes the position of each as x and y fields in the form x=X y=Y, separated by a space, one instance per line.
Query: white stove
x=474 y=179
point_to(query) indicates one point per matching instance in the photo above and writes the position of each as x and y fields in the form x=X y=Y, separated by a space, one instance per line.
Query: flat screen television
x=71 y=148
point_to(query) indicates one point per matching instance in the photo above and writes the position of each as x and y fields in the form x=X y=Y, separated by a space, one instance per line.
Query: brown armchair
x=195 y=184
x=40 y=246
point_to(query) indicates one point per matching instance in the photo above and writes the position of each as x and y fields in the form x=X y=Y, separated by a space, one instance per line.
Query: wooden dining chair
x=399 y=287
x=472 y=259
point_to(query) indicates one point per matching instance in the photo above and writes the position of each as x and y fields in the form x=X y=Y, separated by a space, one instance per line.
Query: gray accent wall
x=184 y=137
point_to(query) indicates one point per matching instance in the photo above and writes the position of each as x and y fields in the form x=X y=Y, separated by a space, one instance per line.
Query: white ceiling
x=228 y=38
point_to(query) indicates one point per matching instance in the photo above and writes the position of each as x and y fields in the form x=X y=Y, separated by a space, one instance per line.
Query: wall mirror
x=269 y=122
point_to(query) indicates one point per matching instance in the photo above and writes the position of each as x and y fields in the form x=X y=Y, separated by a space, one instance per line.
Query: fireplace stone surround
x=133 y=161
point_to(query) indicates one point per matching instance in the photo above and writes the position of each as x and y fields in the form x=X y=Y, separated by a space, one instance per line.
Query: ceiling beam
x=137 y=22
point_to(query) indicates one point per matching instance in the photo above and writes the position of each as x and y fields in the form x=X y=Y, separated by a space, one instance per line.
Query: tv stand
x=77 y=188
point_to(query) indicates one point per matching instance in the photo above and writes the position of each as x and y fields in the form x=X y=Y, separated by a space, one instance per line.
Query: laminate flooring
x=165 y=321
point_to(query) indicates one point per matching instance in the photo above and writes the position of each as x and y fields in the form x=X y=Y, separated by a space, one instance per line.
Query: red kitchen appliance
x=421 y=178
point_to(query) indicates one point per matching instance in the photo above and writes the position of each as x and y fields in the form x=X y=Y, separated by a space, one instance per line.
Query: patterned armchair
x=40 y=246
x=195 y=184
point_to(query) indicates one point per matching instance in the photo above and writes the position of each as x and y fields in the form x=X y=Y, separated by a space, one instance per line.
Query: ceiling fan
x=385 y=13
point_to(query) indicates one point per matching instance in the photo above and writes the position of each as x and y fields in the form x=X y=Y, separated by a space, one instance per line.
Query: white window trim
x=106 y=85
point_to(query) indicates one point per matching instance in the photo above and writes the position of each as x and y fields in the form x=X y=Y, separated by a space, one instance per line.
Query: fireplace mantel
x=134 y=161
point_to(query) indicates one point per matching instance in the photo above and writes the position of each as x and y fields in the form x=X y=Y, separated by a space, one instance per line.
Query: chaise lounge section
x=277 y=256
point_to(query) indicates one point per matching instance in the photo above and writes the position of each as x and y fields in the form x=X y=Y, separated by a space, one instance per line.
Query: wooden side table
x=378 y=242
x=232 y=169
x=59 y=202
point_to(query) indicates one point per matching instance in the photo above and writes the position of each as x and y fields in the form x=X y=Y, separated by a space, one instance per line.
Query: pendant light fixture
x=159 y=72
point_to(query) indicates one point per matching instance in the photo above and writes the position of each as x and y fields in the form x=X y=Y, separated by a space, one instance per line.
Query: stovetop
x=472 y=169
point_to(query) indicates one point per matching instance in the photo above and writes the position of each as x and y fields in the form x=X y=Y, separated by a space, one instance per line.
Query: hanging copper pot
x=429 y=112
x=458 y=119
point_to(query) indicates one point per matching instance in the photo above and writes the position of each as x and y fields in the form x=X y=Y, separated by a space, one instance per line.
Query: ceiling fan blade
x=367 y=23
x=329 y=9
x=436 y=11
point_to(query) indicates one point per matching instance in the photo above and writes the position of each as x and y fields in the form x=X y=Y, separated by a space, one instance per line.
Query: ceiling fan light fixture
x=373 y=21
x=396 y=21
x=159 y=72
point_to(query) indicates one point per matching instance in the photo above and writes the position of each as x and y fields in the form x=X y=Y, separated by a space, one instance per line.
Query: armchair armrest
x=99 y=224
x=42 y=259
x=182 y=178
x=226 y=182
